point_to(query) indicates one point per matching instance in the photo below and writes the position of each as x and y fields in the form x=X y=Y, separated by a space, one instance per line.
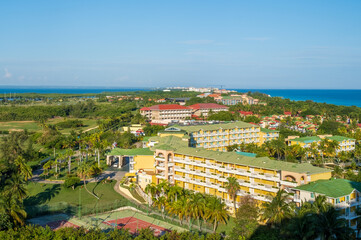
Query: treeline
x=37 y=232
x=78 y=110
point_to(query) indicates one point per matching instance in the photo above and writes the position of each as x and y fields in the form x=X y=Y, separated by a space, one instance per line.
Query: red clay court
x=60 y=224
x=133 y=223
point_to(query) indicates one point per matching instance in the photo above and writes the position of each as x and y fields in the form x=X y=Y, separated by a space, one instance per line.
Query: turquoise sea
x=337 y=97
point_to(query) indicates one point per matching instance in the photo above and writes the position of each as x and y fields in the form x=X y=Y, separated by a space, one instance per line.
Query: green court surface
x=97 y=221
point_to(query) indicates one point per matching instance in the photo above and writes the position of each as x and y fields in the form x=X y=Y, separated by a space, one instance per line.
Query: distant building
x=202 y=109
x=166 y=113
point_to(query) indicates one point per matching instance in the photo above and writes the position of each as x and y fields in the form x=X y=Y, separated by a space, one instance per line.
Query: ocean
x=337 y=97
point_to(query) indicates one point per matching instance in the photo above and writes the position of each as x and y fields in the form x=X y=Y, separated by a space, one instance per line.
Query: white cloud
x=7 y=73
x=197 y=42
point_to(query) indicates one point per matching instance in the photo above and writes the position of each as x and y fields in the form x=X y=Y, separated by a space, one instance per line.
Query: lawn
x=35 y=126
x=55 y=197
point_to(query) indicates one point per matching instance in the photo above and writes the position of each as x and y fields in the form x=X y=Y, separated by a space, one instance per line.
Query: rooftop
x=333 y=188
x=207 y=127
x=130 y=152
x=307 y=139
x=173 y=143
x=339 y=138
x=168 y=107
x=268 y=130
x=207 y=106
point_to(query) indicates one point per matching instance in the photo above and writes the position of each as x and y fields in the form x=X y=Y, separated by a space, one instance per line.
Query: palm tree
x=320 y=204
x=279 y=209
x=232 y=187
x=216 y=212
x=197 y=206
x=69 y=154
x=278 y=147
x=174 y=192
x=13 y=207
x=161 y=203
x=337 y=172
x=314 y=150
x=16 y=186
x=179 y=208
x=329 y=225
x=323 y=147
x=23 y=169
x=83 y=172
x=152 y=190
x=301 y=227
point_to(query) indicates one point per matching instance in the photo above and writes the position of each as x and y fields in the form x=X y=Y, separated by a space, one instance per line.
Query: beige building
x=166 y=113
x=203 y=109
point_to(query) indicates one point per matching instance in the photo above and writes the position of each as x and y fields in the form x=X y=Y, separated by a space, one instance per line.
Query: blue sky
x=239 y=44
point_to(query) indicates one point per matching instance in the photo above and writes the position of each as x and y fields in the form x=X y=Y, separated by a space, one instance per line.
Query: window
x=312 y=195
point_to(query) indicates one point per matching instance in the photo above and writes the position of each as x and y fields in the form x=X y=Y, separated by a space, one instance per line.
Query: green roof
x=268 y=130
x=340 y=138
x=333 y=188
x=307 y=139
x=176 y=144
x=145 y=139
x=130 y=152
x=208 y=127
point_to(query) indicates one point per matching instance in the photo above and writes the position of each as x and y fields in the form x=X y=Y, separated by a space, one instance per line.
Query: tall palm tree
x=314 y=150
x=174 y=192
x=161 y=203
x=69 y=153
x=83 y=172
x=179 y=208
x=152 y=191
x=320 y=204
x=23 y=169
x=216 y=212
x=278 y=147
x=279 y=209
x=232 y=186
x=15 y=186
x=197 y=206
x=331 y=226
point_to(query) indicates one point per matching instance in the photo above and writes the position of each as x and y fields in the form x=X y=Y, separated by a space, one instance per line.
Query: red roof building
x=166 y=113
x=203 y=109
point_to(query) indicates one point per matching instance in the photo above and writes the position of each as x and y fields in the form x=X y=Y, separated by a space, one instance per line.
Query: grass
x=34 y=126
x=134 y=194
x=53 y=194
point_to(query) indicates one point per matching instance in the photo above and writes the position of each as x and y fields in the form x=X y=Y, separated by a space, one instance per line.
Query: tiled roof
x=207 y=127
x=130 y=152
x=207 y=106
x=167 y=107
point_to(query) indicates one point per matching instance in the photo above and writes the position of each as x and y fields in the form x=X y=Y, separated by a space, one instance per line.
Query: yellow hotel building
x=218 y=136
x=207 y=171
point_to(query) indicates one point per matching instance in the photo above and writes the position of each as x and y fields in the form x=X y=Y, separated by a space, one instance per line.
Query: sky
x=237 y=44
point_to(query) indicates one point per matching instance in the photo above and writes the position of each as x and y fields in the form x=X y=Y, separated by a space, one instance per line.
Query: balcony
x=159 y=159
x=289 y=184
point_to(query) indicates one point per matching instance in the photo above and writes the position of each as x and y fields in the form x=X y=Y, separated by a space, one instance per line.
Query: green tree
x=279 y=209
x=232 y=186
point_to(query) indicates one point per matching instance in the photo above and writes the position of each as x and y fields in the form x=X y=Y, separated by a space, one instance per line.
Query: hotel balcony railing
x=290 y=184
x=159 y=159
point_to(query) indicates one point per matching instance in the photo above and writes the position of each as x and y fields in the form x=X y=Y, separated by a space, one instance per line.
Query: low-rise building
x=203 y=109
x=166 y=113
x=131 y=159
x=345 y=144
x=343 y=194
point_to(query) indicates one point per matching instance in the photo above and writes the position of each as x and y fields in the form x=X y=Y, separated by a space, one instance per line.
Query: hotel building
x=203 y=109
x=219 y=136
x=207 y=171
x=345 y=144
x=343 y=194
x=165 y=113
